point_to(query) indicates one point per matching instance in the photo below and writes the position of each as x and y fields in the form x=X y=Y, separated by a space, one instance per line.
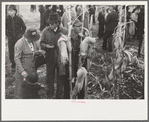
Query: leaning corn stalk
x=70 y=56
x=85 y=79
x=91 y=24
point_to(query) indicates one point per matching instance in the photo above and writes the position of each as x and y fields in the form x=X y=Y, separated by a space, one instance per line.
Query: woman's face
x=11 y=12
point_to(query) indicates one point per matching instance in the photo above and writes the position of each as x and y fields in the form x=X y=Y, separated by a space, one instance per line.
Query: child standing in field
x=15 y=28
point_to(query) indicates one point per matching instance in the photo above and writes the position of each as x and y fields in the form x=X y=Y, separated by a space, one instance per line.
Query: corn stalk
x=120 y=61
x=70 y=55
x=86 y=79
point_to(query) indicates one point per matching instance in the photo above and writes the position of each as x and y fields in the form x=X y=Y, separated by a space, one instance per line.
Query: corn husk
x=63 y=49
x=84 y=46
x=81 y=74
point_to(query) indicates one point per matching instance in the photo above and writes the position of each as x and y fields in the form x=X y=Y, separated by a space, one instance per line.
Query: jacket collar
x=12 y=17
x=58 y=30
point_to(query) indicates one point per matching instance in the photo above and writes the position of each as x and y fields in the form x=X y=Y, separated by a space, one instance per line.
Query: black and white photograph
x=74 y=56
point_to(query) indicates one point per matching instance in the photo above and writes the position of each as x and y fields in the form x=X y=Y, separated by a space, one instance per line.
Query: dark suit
x=41 y=10
x=110 y=24
x=101 y=25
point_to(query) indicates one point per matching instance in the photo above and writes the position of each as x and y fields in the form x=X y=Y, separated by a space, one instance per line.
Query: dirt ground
x=129 y=88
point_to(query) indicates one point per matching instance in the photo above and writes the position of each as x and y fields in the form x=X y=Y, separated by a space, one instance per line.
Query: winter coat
x=111 y=21
x=15 y=27
x=42 y=19
x=24 y=60
x=50 y=37
x=101 y=19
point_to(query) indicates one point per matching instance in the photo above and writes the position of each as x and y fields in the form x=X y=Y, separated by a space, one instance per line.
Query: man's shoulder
x=113 y=13
x=20 y=42
x=45 y=29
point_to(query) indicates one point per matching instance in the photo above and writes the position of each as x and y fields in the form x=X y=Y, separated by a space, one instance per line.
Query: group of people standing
x=25 y=48
x=134 y=28
x=54 y=25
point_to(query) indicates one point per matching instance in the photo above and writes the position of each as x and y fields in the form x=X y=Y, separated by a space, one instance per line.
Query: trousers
x=11 y=44
x=107 y=35
x=140 y=38
x=52 y=71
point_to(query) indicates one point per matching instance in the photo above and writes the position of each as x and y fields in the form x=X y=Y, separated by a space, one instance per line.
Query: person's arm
x=43 y=41
x=108 y=18
x=44 y=45
x=23 y=27
x=7 y=32
x=18 y=50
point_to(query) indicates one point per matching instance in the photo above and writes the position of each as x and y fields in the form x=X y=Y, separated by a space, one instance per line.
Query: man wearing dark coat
x=41 y=10
x=110 y=24
x=49 y=39
x=101 y=24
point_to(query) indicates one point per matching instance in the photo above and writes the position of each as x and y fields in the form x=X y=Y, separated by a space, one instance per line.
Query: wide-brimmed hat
x=32 y=35
x=77 y=23
x=12 y=7
x=53 y=18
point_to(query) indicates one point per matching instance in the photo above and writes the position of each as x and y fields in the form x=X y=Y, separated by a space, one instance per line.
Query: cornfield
x=115 y=75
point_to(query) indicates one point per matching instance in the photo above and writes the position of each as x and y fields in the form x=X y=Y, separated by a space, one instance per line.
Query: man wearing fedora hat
x=25 y=50
x=15 y=28
x=49 y=39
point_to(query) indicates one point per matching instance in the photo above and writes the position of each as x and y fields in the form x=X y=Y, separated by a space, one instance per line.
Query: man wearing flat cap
x=48 y=43
x=76 y=38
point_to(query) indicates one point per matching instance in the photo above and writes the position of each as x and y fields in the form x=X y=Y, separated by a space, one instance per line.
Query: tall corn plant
x=121 y=57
